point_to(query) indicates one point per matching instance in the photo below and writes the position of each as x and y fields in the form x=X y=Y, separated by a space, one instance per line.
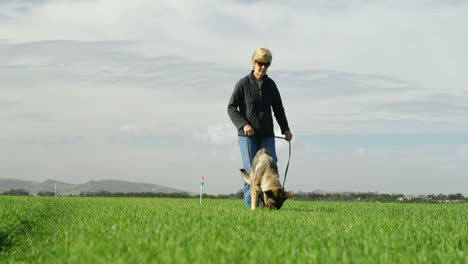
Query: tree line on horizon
x=300 y=196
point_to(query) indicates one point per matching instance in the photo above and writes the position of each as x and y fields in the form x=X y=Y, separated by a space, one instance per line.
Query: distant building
x=451 y=201
x=416 y=198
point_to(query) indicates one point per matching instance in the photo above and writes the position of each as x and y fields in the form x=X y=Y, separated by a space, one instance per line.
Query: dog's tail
x=245 y=176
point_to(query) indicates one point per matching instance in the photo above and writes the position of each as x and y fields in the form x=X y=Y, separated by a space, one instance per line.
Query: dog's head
x=275 y=197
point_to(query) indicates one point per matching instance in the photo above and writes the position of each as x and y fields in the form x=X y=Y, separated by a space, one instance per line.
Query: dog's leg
x=262 y=199
x=253 y=197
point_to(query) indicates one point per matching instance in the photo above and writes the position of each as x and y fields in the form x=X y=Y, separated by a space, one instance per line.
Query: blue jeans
x=248 y=148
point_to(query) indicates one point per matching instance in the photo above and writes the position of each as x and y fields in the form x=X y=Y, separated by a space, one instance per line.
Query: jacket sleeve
x=236 y=102
x=278 y=110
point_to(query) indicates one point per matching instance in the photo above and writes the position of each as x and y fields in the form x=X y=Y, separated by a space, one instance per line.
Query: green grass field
x=157 y=230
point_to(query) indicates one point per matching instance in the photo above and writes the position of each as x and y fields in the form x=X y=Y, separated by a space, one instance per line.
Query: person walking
x=250 y=109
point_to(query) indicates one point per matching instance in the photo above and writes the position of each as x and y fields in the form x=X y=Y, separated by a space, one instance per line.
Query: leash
x=289 y=158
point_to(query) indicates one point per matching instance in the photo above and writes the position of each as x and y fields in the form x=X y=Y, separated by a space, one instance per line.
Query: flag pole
x=201 y=189
x=55 y=190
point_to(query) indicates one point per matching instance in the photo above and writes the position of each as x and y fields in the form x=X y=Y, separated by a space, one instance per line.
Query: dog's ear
x=245 y=176
x=288 y=195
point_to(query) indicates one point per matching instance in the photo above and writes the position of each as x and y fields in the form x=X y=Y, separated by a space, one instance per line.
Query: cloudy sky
x=376 y=92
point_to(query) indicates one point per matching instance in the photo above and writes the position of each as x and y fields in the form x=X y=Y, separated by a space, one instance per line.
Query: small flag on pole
x=55 y=190
x=201 y=189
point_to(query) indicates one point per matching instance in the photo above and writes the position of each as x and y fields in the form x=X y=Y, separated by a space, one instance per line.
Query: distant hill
x=91 y=186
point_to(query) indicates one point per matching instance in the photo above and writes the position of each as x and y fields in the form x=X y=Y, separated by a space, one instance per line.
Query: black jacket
x=249 y=105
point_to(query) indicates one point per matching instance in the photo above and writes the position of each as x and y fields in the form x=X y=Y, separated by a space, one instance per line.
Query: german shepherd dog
x=264 y=178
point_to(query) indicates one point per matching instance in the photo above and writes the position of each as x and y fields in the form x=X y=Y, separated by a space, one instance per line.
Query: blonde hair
x=261 y=55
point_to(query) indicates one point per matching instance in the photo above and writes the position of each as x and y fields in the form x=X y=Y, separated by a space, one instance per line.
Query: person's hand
x=248 y=130
x=288 y=135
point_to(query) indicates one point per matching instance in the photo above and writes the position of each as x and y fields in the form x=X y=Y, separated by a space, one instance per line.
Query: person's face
x=260 y=68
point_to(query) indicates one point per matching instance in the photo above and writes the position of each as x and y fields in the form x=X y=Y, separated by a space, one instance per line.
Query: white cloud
x=361 y=151
x=217 y=134
x=389 y=38
x=129 y=128
x=463 y=151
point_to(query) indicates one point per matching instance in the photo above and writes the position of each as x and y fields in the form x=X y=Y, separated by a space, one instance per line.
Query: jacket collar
x=253 y=80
